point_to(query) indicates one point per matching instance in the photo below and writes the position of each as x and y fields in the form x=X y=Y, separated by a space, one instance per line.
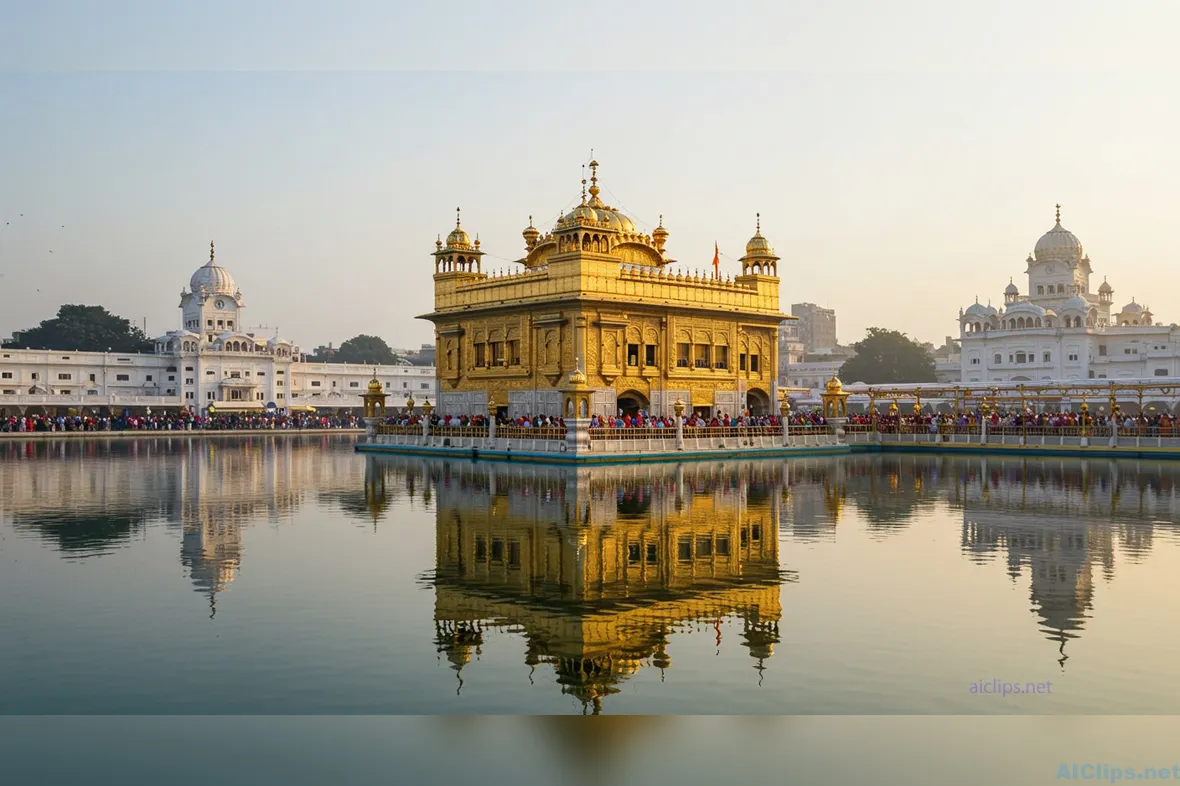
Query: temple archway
x=632 y=401
x=757 y=401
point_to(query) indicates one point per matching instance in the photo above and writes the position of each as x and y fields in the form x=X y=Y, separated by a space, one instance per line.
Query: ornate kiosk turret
x=374 y=399
x=835 y=403
x=575 y=408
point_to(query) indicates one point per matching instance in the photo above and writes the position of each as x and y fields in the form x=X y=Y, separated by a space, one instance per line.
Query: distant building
x=817 y=326
x=424 y=356
x=947 y=361
x=214 y=361
x=816 y=368
x=790 y=348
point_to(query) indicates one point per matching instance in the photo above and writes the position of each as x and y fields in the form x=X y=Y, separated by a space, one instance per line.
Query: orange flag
x=716 y=261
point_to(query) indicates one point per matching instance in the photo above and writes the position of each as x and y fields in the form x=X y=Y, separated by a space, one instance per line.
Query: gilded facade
x=595 y=294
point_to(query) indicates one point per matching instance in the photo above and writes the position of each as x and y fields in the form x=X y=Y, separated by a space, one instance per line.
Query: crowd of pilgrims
x=640 y=419
x=171 y=421
x=1017 y=419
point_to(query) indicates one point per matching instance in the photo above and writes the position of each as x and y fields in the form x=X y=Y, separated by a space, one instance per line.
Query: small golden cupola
x=531 y=236
x=760 y=259
x=459 y=255
x=659 y=236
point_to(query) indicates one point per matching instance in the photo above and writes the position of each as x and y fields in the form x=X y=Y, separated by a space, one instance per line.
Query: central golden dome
x=594 y=209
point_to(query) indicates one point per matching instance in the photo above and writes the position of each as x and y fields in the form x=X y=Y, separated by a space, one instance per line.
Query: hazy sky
x=905 y=157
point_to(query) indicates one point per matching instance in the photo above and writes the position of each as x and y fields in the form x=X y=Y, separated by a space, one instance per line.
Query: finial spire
x=757 y=223
x=531 y=222
x=593 y=175
x=456 y=218
x=1059 y=213
x=583 y=184
x=210 y=251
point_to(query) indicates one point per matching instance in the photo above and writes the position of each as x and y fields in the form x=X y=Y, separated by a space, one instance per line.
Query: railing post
x=785 y=413
x=491 y=420
x=678 y=409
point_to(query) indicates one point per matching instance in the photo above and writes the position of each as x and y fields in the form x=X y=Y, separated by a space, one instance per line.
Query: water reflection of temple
x=90 y=498
x=1059 y=520
x=597 y=568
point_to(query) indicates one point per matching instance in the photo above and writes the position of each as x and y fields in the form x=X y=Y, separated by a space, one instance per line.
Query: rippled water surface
x=276 y=575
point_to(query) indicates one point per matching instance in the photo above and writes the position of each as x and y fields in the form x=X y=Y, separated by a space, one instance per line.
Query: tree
x=84 y=329
x=365 y=349
x=887 y=356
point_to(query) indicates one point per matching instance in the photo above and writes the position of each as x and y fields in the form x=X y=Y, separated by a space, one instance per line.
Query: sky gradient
x=903 y=163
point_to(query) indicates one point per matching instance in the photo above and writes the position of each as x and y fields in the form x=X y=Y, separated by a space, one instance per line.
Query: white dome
x=977 y=310
x=215 y=279
x=1133 y=307
x=1075 y=303
x=1025 y=308
x=1058 y=243
x=1011 y=289
x=1104 y=287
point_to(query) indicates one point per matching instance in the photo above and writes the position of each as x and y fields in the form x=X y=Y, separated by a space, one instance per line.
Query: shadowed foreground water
x=291 y=576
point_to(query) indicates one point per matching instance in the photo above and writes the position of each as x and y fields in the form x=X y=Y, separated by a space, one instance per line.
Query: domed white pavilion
x=1059 y=329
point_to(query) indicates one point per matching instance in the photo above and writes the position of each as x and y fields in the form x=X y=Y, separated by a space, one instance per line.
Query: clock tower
x=213 y=304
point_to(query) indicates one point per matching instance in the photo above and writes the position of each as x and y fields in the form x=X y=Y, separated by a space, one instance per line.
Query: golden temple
x=597 y=295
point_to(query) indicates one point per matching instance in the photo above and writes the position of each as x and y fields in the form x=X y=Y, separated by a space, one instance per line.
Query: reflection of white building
x=1063 y=329
x=214 y=359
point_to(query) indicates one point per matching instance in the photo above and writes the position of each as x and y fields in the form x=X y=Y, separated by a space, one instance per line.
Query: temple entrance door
x=631 y=402
x=757 y=402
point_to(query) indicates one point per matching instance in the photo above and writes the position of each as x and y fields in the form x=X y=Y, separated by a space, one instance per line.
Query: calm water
x=290 y=575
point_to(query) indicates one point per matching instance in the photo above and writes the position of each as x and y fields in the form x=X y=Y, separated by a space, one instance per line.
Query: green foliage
x=887 y=356
x=365 y=349
x=84 y=329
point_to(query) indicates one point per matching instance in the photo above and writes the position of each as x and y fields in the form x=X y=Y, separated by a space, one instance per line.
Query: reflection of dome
x=213 y=278
x=1058 y=243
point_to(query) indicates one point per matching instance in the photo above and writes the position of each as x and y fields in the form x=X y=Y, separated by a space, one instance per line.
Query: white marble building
x=212 y=360
x=1062 y=328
